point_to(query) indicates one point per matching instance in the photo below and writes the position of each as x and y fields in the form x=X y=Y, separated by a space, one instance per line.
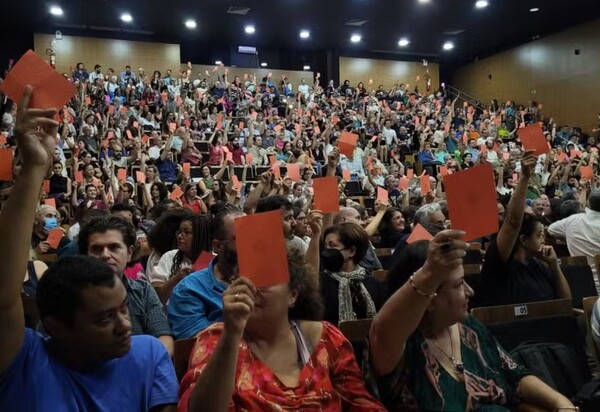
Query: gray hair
x=422 y=215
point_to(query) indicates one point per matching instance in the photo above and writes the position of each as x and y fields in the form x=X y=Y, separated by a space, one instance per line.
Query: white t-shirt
x=304 y=89
x=389 y=135
x=162 y=271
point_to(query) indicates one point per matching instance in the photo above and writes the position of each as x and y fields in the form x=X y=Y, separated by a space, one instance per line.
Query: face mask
x=332 y=259
x=50 y=223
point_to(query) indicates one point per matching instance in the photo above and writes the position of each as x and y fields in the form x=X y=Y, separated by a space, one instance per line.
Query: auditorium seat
x=357 y=332
x=588 y=307
x=181 y=356
x=580 y=278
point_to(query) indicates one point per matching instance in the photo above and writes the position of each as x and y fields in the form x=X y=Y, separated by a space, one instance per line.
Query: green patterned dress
x=420 y=382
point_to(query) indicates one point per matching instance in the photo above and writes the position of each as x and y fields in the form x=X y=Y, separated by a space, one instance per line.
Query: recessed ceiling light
x=304 y=34
x=423 y=1
x=355 y=38
x=448 y=45
x=480 y=4
x=190 y=24
x=249 y=29
x=56 y=11
x=306 y=67
x=263 y=64
x=218 y=62
x=126 y=17
x=403 y=42
x=534 y=9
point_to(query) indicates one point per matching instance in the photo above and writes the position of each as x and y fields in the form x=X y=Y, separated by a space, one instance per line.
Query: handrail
x=451 y=90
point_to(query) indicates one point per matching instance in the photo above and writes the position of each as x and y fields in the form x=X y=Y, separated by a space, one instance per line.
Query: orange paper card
x=347 y=143
x=128 y=133
x=586 y=172
x=471 y=197
x=532 y=138
x=346 y=175
x=203 y=260
x=276 y=170
x=410 y=173
x=263 y=268
x=235 y=183
x=50 y=202
x=186 y=168
x=418 y=233
x=140 y=177
x=172 y=126
x=229 y=157
x=327 y=197
x=176 y=193
x=382 y=195
x=444 y=171
x=122 y=175
x=403 y=183
x=46 y=186
x=50 y=89
x=293 y=171
x=79 y=177
x=272 y=159
x=54 y=237
x=425 y=184
x=248 y=159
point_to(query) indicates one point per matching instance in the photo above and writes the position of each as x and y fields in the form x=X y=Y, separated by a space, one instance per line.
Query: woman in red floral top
x=259 y=359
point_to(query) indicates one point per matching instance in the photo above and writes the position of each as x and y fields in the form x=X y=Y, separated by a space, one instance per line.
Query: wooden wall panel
x=293 y=76
x=546 y=70
x=108 y=53
x=387 y=72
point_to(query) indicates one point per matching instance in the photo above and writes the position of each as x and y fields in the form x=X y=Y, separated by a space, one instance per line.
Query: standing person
x=90 y=360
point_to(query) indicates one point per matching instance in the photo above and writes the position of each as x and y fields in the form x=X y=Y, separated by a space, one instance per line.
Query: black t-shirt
x=506 y=283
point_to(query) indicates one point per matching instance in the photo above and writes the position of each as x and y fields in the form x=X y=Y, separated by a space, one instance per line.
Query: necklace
x=459 y=367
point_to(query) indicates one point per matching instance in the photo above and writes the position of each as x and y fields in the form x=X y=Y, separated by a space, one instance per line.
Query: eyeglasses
x=184 y=233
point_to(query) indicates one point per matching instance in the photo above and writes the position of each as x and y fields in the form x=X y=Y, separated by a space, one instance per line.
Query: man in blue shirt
x=90 y=362
x=195 y=302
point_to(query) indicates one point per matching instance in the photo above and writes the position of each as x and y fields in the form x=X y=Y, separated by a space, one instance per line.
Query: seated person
x=346 y=290
x=46 y=219
x=518 y=267
x=111 y=239
x=90 y=362
x=195 y=302
x=427 y=354
x=273 y=353
x=391 y=228
x=193 y=237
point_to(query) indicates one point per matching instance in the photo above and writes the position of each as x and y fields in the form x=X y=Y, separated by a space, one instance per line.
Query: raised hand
x=446 y=252
x=528 y=162
x=238 y=304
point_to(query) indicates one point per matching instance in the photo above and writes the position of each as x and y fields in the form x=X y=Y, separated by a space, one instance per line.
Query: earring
x=292 y=305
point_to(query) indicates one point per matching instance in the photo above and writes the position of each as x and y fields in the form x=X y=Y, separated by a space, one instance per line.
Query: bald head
x=347 y=214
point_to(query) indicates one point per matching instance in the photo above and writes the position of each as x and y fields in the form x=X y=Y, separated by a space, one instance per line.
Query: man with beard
x=196 y=302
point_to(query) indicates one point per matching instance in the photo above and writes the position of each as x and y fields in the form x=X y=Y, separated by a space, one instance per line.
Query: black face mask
x=332 y=259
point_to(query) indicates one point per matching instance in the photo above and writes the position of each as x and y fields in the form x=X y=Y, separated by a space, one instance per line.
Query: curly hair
x=201 y=240
x=309 y=304
x=161 y=237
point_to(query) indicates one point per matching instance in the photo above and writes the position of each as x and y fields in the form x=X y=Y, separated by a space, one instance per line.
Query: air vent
x=454 y=32
x=356 y=23
x=241 y=11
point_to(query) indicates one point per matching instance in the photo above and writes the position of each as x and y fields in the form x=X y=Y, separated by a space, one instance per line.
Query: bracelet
x=419 y=291
x=566 y=408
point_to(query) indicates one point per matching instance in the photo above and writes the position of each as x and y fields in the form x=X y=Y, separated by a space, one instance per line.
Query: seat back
x=380 y=275
x=580 y=278
x=588 y=307
x=357 y=332
x=181 y=356
x=507 y=313
x=385 y=257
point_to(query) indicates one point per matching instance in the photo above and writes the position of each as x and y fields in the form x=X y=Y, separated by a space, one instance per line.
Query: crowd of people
x=144 y=177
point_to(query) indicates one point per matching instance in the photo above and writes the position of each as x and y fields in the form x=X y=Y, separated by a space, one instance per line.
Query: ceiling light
x=480 y=4
x=423 y=1
x=355 y=38
x=306 y=67
x=218 y=62
x=126 y=17
x=56 y=11
x=448 y=45
x=403 y=42
x=263 y=64
x=249 y=29
x=190 y=24
x=534 y=9
x=304 y=34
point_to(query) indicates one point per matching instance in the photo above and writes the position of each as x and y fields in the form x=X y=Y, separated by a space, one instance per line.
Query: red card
x=293 y=171
x=425 y=184
x=532 y=138
x=54 y=237
x=46 y=186
x=276 y=170
x=229 y=157
x=382 y=195
x=122 y=175
x=327 y=197
x=574 y=153
x=346 y=175
x=277 y=128
x=410 y=173
x=50 y=202
x=145 y=138
x=50 y=89
x=176 y=193
x=235 y=183
x=128 y=133
x=471 y=197
x=418 y=233
x=111 y=109
x=248 y=158
x=272 y=159
x=263 y=269
x=444 y=171
x=586 y=172
x=203 y=260
x=186 y=168
x=6 y=164
x=347 y=143
x=136 y=124
x=140 y=177
x=172 y=126
x=403 y=183
x=79 y=177
x=225 y=149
